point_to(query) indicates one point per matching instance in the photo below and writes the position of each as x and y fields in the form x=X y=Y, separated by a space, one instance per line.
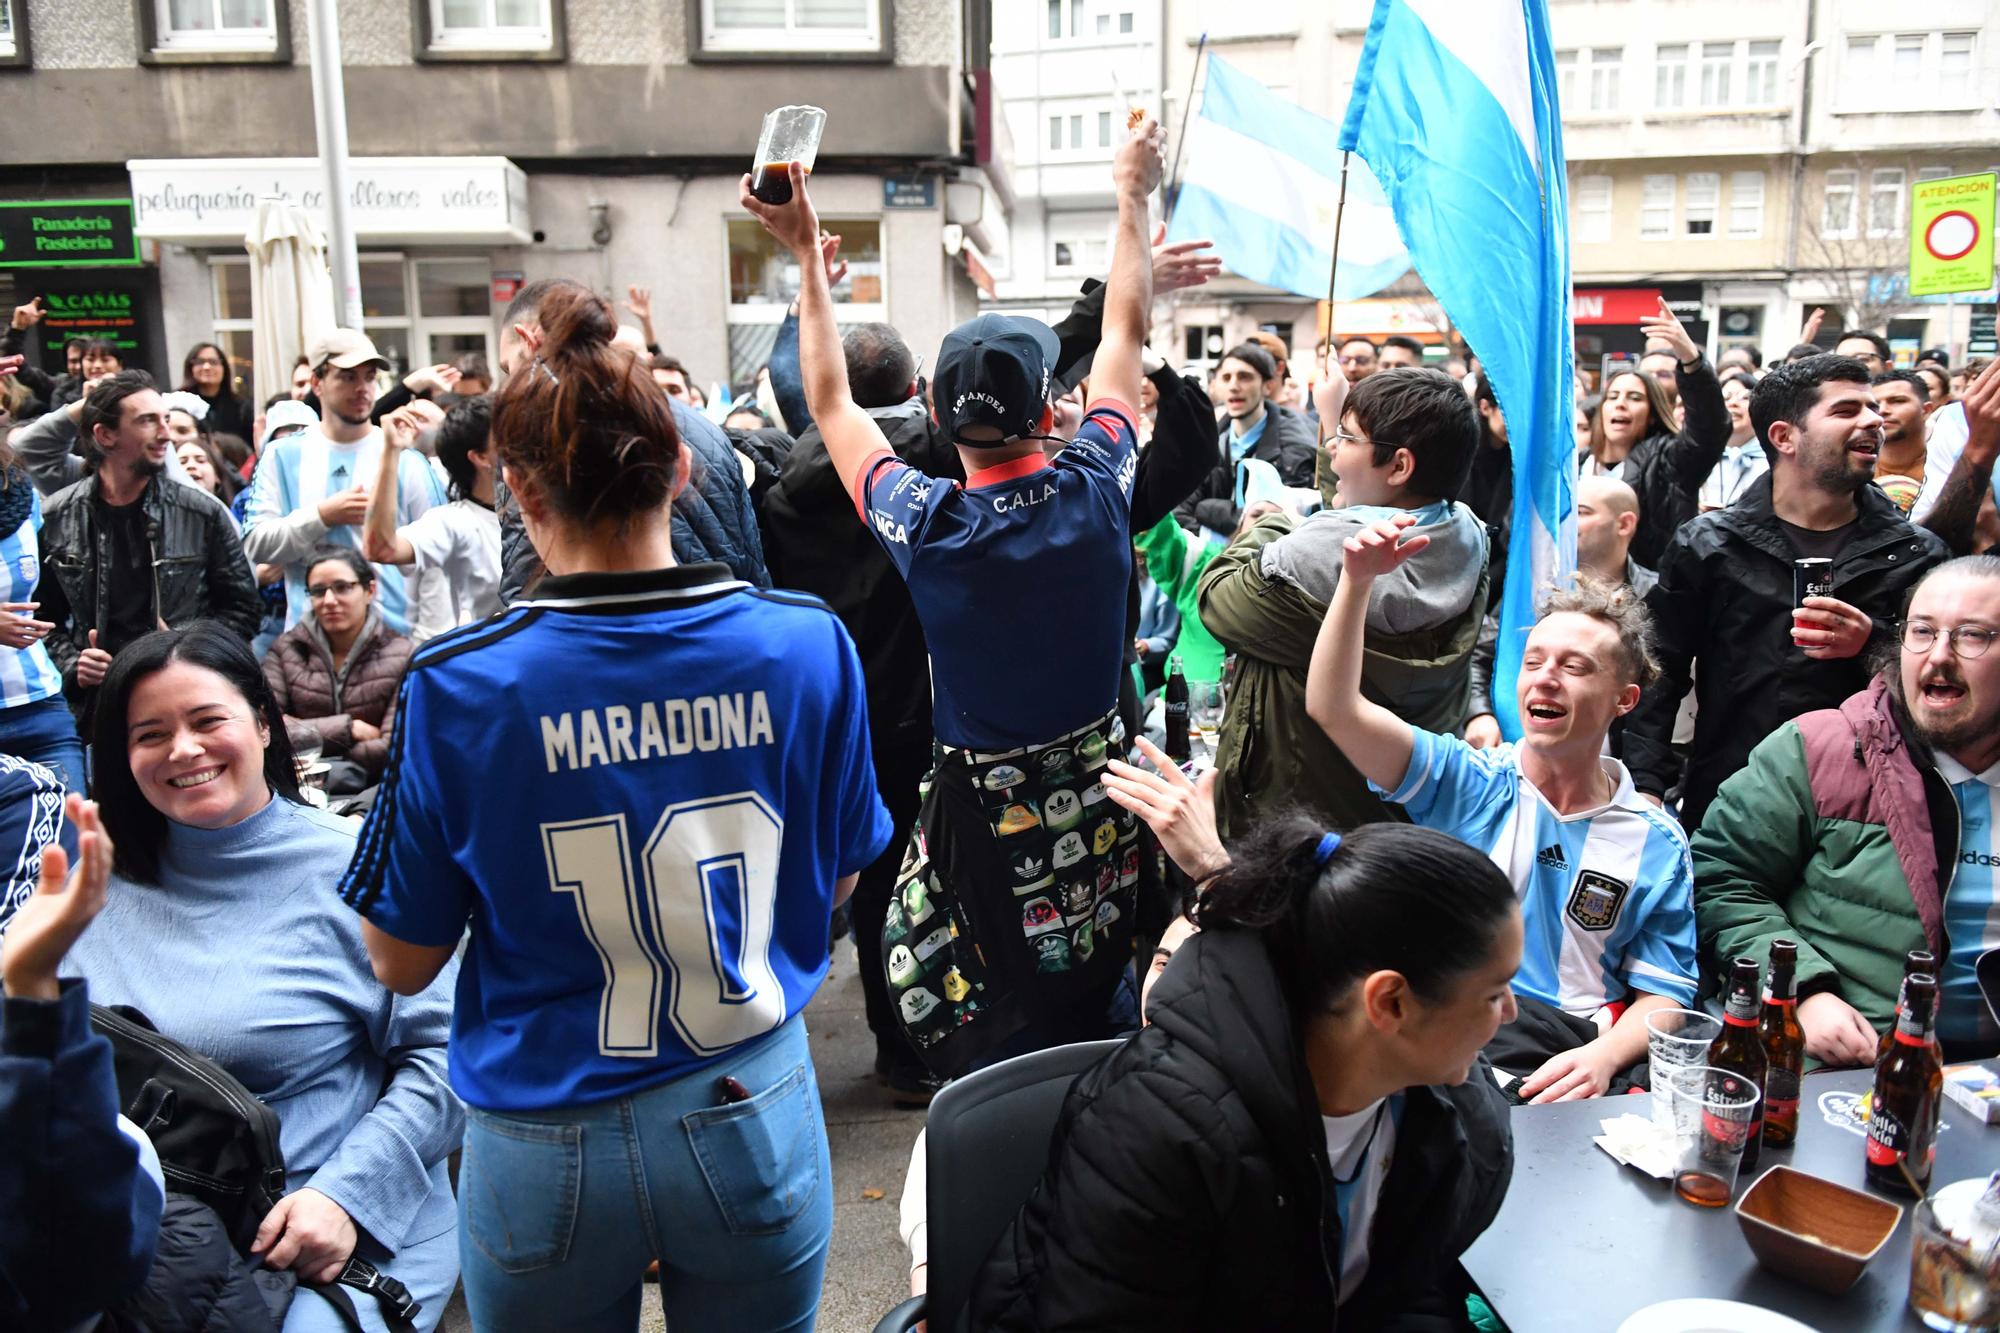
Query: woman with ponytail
x=1305 y=1135
x=645 y=788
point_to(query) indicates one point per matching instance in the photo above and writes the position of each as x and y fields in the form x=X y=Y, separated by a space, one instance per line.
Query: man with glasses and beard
x=1866 y=831
x=313 y=487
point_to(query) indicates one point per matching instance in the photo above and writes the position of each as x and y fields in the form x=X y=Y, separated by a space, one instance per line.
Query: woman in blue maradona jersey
x=645 y=786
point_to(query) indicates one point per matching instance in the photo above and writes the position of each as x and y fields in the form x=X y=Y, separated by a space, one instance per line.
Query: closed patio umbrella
x=291 y=294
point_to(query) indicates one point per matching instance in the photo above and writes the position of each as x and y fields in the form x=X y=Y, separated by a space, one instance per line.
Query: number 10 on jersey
x=703 y=926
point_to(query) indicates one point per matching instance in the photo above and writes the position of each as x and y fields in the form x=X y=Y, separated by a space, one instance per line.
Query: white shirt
x=1944 y=440
x=461 y=542
x=1371 y=1130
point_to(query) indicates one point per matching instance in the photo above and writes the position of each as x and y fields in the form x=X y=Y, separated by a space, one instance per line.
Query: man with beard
x=1903 y=399
x=1725 y=597
x=313 y=487
x=131 y=553
x=1867 y=830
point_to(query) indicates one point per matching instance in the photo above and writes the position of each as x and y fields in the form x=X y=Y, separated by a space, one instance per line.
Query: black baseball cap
x=994 y=371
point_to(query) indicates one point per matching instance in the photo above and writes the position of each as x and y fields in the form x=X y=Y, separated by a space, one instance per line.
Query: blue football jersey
x=640 y=790
x=1607 y=895
x=1971 y=905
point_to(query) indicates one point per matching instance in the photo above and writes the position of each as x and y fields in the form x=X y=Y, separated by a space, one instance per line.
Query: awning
x=409 y=200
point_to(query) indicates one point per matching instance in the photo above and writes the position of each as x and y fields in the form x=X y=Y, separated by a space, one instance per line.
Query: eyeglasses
x=339 y=589
x=1967 y=641
x=1342 y=437
x=208 y=363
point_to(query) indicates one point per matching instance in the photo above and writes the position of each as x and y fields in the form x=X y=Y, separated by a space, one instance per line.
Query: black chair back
x=988 y=1147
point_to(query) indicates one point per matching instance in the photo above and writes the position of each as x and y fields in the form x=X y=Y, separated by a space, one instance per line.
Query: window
x=1860 y=62
x=763 y=279
x=1089 y=256
x=246 y=26
x=762 y=27
x=1566 y=79
x=1055 y=134
x=1124 y=20
x=1908 y=62
x=1716 y=58
x=1201 y=348
x=1076 y=131
x=1704 y=192
x=1055 y=20
x=1604 y=78
x=1592 y=202
x=1836 y=219
x=1885 y=202
x=1656 y=208
x=488 y=26
x=1104 y=129
x=1746 y=203
x=1955 y=66
x=1932 y=173
x=1760 y=75
x=1670 y=72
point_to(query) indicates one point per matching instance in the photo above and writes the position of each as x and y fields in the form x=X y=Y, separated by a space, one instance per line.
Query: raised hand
x=49 y=924
x=29 y=315
x=440 y=378
x=829 y=254
x=1178 y=265
x=1180 y=811
x=639 y=300
x=1666 y=327
x=1381 y=548
x=794 y=225
x=1810 y=333
x=1142 y=161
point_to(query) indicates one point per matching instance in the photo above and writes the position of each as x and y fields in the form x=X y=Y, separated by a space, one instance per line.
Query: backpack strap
x=399 y=1308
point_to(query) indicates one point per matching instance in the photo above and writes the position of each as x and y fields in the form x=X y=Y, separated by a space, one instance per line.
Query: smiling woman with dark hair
x=207 y=374
x=222 y=927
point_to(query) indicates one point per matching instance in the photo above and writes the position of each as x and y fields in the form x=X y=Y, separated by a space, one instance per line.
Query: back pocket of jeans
x=519 y=1181
x=761 y=1156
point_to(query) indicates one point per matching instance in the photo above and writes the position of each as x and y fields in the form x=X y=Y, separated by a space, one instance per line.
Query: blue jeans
x=560 y=1211
x=43 y=732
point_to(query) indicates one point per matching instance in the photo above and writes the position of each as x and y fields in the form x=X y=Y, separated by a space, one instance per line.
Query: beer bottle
x=1915 y=961
x=1177 y=746
x=1903 y=1114
x=1739 y=1049
x=1784 y=1046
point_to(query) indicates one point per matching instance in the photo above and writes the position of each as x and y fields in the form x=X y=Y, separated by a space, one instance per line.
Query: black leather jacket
x=198 y=569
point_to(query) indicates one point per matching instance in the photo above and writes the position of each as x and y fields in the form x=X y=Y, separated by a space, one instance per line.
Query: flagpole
x=1172 y=191
x=1333 y=273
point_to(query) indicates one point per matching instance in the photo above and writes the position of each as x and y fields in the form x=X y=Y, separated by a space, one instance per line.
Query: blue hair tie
x=1327 y=843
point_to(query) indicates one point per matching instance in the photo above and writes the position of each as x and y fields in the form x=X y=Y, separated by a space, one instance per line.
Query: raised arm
x=851 y=435
x=1128 y=296
x=1956 y=513
x=380 y=541
x=1375 y=740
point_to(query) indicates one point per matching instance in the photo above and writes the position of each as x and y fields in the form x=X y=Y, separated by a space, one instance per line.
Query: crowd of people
x=476 y=768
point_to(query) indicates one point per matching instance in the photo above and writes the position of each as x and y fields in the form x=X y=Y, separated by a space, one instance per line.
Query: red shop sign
x=1613 y=305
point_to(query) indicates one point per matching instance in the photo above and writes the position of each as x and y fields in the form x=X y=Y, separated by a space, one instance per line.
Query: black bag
x=218 y=1143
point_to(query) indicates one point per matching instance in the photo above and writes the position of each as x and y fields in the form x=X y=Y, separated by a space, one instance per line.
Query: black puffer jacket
x=1724 y=600
x=1290 y=443
x=1188 y=1185
x=199 y=571
x=198 y=1283
x=1666 y=470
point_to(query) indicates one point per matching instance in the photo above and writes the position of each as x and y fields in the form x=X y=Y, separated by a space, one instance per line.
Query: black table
x=1583 y=1243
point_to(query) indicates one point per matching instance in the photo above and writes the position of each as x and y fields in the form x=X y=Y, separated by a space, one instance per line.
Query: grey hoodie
x=1432 y=587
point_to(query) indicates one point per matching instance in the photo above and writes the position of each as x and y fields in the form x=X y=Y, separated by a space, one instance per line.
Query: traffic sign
x=1951 y=235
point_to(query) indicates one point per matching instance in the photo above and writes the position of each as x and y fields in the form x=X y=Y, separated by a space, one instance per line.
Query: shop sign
x=67 y=233
x=212 y=201
x=915 y=192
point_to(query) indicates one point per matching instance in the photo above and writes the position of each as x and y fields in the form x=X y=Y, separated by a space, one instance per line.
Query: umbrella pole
x=330 y=119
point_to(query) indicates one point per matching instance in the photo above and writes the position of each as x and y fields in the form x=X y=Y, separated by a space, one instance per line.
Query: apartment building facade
x=499 y=141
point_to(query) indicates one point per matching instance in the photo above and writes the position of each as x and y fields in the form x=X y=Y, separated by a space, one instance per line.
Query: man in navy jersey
x=1014 y=924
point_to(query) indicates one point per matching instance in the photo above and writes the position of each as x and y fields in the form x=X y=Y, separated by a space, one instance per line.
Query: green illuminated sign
x=67 y=233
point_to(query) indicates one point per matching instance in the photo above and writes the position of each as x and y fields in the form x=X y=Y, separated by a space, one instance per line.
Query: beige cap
x=345 y=349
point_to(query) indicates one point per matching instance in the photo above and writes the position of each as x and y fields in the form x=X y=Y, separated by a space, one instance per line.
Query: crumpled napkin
x=1636 y=1141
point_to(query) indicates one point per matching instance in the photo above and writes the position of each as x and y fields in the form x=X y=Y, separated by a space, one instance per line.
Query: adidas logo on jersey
x=1552 y=857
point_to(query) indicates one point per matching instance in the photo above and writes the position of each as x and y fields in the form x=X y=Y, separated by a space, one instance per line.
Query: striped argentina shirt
x=1607 y=894
x=26 y=674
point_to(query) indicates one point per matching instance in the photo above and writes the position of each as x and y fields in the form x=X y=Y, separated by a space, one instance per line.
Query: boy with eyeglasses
x=1867 y=830
x=1403 y=444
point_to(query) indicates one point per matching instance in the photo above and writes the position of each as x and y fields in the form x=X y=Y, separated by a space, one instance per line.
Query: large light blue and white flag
x=1262 y=179
x=1455 y=108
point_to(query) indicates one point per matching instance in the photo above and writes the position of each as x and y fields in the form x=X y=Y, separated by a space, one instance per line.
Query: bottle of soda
x=1784 y=1046
x=1914 y=962
x=1177 y=746
x=1739 y=1049
x=1903 y=1114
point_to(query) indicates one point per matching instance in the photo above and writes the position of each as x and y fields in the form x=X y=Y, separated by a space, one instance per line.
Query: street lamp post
x=330 y=119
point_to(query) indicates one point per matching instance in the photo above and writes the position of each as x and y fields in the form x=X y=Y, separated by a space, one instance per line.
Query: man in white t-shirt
x=455 y=545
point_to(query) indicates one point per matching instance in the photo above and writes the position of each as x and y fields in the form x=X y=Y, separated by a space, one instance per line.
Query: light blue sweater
x=244 y=952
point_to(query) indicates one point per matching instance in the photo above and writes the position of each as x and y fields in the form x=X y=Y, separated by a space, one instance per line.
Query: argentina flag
x=1262 y=180
x=1455 y=108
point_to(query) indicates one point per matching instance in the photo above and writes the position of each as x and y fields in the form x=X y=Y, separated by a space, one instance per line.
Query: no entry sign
x=1951 y=235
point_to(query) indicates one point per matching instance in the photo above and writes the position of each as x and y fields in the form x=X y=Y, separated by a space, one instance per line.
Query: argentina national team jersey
x=1971 y=905
x=640 y=789
x=1607 y=895
x=26 y=674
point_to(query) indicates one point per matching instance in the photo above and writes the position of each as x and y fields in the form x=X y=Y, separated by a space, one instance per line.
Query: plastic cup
x=1675 y=1039
x=790 y=134
x=1715 y=1112
x=1955 y=1262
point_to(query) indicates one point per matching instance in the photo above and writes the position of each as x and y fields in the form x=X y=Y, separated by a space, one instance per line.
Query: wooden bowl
x=1813 y=1230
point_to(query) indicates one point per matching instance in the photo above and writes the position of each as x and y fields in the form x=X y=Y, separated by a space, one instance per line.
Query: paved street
x=866 y=1272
